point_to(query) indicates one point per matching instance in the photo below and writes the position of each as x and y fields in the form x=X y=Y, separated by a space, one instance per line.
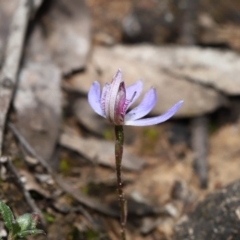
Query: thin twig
x=189 y=14
x=122 y=202
x=67 y=188
x=12 y=58
x=11 y=168
x=200 y=148
x=188 y=36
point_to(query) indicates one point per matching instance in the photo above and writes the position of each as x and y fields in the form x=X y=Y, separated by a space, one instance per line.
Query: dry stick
x=199 y=124
x=189 y=14
x=200 y=148
x=67 y=188
x=13 y=54
x=8 y=80
x=122 y=202
x=10 y=167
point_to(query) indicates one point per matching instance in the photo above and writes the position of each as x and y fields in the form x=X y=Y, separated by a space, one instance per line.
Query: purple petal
x=155 y=120
x=111 y=96
x=130 y=90
x=117 y=77
x=105 y=91
x=94 y=98
x=147 y=104
x=120 y=105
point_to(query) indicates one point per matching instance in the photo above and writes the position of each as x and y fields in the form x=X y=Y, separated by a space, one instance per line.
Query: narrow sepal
x=156 y=120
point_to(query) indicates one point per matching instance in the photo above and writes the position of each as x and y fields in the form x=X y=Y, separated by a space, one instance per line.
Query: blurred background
x=177 y=174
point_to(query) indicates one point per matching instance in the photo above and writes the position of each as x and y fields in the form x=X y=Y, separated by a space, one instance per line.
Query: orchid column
x=112 y=104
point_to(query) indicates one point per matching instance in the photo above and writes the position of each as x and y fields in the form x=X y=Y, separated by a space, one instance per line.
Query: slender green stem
x=118 y=156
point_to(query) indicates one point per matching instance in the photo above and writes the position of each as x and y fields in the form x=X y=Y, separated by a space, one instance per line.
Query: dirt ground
x=166 y=188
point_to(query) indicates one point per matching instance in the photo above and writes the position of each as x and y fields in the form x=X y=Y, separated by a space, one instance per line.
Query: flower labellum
x=115 y=100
